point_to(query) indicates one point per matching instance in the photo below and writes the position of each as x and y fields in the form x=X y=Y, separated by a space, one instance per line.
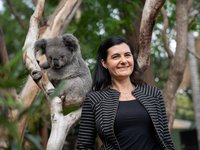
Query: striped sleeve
x=166 y=134
x=87 y=129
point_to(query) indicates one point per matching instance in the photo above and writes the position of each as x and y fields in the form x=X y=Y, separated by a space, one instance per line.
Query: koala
x=65 y=64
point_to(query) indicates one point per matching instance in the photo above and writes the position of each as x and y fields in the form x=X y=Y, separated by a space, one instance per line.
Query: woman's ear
x=104 y=64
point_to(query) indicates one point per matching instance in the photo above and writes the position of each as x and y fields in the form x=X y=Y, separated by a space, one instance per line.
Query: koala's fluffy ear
x=41 y=44
x=70 y=42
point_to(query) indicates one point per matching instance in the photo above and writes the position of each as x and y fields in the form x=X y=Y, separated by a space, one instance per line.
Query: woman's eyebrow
x=115 y=54
x=127 y=52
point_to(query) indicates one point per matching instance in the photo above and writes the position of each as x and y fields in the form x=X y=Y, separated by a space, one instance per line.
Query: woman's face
x=119 y=61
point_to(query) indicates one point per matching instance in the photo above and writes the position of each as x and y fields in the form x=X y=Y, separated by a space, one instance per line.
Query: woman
x=126 y=113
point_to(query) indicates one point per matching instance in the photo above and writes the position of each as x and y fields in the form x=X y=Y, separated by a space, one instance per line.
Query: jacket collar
x=149 y=102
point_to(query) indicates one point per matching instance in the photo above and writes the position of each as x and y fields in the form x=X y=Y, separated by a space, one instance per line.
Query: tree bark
x=186 y=82
x=133 y=35
x=61 y=124
x=149 y=76
x=195 y=83
x=30 y=90
x=3 y=51
x=177 y=63
x=164 y=34
x=61 y=18
x=150 y=11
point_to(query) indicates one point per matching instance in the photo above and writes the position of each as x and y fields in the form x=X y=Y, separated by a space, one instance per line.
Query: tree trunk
x=177 y=63
x=186 y=77
x=195 y=83
x=133 y=38
x=198 y=45
x=61 y=125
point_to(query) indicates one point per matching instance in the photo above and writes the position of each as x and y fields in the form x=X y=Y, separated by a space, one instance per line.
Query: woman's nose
x=123 y=60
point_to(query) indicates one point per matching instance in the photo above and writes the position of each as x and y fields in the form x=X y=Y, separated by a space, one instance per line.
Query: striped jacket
x=98 y=115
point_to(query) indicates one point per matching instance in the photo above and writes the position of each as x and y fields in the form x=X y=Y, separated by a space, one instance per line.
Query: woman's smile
x=123 y=68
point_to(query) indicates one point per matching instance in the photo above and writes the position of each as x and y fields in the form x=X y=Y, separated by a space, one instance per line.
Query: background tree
x=194 y=82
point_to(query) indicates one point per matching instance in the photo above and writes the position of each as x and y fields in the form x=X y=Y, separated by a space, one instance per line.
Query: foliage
x=12 y=76
x=104 y=21
x=184 y=106
x=5 y=123
x=39 y=117
x=14 y=34
x=13 y=73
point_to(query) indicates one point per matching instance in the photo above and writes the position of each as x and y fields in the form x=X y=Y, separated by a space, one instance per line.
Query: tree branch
x=164 y=34
x=27 y=96
x=61 y=125
x=13 y=11
x=3 y=51
x=193 y=14
x=61 y=17
x=194 y=54
x=150 y=11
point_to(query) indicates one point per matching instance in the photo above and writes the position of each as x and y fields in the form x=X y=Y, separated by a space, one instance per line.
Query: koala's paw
x=62 y=97
x=36 y=75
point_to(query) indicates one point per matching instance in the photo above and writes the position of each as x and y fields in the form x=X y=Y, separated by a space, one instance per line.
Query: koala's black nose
x=56 y=62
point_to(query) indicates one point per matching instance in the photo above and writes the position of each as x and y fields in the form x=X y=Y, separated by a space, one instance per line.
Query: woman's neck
x=123 y=85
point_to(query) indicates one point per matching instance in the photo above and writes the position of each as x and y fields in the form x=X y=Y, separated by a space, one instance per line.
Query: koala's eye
x=62 y=56
x=50 y=58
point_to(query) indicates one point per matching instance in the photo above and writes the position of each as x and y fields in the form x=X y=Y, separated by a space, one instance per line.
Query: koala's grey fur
x=65 y=63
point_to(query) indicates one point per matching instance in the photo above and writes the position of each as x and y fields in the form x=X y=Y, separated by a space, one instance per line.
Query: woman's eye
x=115 y=56
x=127 y=55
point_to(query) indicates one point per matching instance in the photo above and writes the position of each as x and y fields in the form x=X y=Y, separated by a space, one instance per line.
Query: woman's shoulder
x=97 y=95
x=98 y=92
x=149 y=89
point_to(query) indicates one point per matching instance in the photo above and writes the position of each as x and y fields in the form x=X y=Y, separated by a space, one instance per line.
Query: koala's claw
x=36 y=75
x=50 y=91
x=62 y=97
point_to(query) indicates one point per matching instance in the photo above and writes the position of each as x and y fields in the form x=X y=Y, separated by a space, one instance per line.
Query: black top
x=133 y=127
